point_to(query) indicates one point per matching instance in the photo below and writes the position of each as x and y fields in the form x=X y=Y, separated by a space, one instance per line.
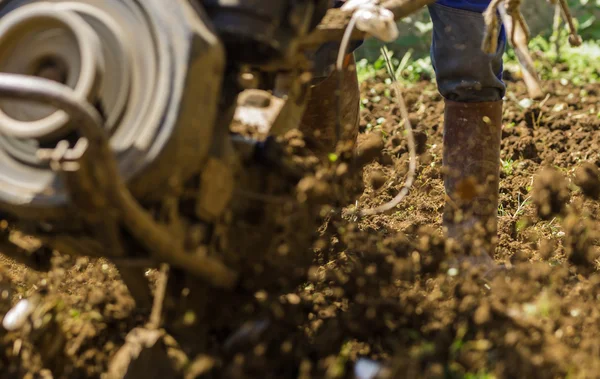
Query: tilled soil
x=380 y=287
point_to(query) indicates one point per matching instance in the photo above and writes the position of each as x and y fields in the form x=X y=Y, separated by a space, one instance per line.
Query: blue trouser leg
x=464 y=73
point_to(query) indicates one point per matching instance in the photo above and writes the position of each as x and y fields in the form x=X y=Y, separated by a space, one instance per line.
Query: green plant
x=501 y=210
x=479 y=375
x=366 y=69
x=586 y=13
x=407 y=71
x=551 y=228
x=521 y=204
x=507 y=166
x=579 y=65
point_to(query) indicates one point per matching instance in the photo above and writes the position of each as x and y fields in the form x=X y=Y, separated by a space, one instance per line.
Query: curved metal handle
x=30 y=88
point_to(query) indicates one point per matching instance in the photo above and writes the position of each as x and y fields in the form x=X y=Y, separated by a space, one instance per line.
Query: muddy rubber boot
x=472 y=134
x=319 y=121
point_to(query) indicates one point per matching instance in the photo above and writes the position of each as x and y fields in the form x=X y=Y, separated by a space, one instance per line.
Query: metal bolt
x=248 y=80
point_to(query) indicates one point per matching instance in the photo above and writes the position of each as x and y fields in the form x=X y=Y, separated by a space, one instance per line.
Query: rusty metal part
x=319 y=122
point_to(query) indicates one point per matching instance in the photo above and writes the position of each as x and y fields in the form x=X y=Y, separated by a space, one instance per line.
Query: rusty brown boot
x=472 y=134
x=319 y=121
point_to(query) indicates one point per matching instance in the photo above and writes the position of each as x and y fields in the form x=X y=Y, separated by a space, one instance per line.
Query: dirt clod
x=550 y=193
x=369 y=148
x=587 y=177
x=579 y=243
x=378 y=179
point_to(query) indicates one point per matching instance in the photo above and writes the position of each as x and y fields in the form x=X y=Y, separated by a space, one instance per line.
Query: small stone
x=82 y=263
x=369 y=148
x=482 y=314
x=292 y=298
x=342 y=169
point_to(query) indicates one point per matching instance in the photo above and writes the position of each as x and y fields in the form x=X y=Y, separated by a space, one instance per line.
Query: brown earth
x=379 y=287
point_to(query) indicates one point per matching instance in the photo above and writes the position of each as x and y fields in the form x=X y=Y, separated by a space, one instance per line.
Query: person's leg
x=464 y=73
x=471 y=83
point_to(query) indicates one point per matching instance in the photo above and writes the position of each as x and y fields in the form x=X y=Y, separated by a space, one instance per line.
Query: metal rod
x=574 y=38
x=154 y=237
x=519 y=42
x=23 y=87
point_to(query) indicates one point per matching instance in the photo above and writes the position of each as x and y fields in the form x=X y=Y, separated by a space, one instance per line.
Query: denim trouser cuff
x=464 y=73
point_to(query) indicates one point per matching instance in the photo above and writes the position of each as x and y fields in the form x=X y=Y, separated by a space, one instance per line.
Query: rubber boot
x=319 y=120
x=471 y=160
